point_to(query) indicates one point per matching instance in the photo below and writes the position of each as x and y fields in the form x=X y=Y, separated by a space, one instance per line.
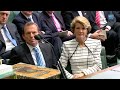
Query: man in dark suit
x=6 y=42
x=25 y=53
x=24 y=17
x=107 y=23
x=52 y=23
x=68 y=16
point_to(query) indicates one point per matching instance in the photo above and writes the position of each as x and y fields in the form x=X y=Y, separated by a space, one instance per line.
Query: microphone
x=40 y=37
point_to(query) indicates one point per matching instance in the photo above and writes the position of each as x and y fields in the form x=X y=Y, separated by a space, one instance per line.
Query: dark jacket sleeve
x=67 y=17
x=14 y=57
x=46 y=28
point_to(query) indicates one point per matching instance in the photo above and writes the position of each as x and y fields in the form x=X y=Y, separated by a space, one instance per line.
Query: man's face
x=29 y=33
x=4 y=16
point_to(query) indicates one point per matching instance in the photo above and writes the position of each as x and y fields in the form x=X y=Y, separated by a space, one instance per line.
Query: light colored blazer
x=86 y=59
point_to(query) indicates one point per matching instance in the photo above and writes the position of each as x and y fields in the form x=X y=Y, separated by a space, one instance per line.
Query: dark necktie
x=38 y=57
x=97 y=19
x=29 y=19
x=9 y=36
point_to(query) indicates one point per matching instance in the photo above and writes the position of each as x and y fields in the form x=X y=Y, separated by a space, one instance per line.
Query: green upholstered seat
x=12 y=15
x=103 y=58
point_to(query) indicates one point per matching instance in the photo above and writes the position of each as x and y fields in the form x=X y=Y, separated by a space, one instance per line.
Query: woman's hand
x=76 y=76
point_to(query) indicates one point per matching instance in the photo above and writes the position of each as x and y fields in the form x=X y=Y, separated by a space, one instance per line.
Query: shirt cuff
x=108 y=27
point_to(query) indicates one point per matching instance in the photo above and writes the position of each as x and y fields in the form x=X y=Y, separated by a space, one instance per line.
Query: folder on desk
x=106 y=75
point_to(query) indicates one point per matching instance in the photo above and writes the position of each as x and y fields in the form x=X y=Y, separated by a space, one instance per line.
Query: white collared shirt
x=102 y=19
x=28 y=17
x=80 y=13
x=8 y=43
x=33 y=53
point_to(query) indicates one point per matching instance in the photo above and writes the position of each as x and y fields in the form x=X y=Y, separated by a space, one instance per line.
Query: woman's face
x=80 y=32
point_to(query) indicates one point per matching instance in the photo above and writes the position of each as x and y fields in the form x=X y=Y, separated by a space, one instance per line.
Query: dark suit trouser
x=111 y=42
x=117 y=30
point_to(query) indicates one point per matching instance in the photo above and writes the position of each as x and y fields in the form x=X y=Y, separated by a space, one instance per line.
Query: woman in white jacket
x=83 y=53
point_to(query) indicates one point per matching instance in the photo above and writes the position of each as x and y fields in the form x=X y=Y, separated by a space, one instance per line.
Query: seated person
x=9 y=36
x=26 y=52
x=52 y=23
x=28 y=16
x=68 y=16
x=103 y=20
x=83 y=53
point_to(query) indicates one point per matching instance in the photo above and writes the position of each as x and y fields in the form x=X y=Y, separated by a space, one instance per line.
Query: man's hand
x=98 y=35
x=95 y=35
x=69 y=33
x=106 y=29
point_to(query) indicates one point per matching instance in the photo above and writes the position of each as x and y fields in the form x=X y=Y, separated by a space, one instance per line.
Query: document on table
x=116 y=69
x=106 y=75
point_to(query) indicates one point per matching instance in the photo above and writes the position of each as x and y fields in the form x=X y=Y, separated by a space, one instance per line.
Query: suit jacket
x=22 y=53
x=14 y=33
x=93 y=23
x=20 y=21
x=68 y=16
x=49 y=27
x=117 y=15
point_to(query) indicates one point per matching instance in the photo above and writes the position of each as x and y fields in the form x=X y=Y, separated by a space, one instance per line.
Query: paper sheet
x=106 y=75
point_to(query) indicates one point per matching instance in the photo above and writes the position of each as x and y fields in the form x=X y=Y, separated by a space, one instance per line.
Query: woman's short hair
x=82 y=20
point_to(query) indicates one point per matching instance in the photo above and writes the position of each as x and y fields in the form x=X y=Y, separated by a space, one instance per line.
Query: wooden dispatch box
x=28 y=71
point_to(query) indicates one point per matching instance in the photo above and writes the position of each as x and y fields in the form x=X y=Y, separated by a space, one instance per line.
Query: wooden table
x=100 y=72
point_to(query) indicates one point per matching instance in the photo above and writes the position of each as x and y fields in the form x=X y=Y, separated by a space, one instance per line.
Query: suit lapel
x=75 y=13
x=24 y=18
x=41 y=45
x=1 y=38
x=10 y=28
x=59 y=18
x=106 y=15
x=34 y=19
x=28 y=54
x=49 y=19
x=2 y=44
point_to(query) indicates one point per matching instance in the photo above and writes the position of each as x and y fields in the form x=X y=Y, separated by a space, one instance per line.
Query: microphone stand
x=62 y=70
